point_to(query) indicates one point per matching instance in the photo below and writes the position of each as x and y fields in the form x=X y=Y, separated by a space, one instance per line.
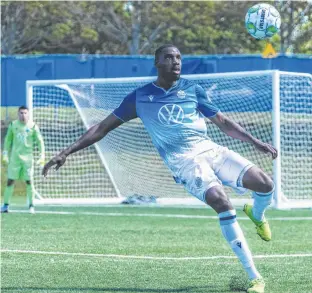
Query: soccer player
x=172 y=110
x=18 y=155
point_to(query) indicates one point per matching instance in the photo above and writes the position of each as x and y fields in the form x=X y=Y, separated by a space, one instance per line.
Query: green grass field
x=140 y=249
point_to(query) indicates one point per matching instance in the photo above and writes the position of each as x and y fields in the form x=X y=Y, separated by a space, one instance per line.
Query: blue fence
x=16 y=70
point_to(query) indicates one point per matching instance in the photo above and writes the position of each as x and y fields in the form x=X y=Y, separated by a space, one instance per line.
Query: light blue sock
x=261 y=202
x=235 y=237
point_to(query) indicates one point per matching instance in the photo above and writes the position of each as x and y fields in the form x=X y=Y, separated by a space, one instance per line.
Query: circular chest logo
x=171 y=114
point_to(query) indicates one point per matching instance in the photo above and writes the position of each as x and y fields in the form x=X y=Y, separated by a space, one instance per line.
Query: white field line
x=157 y=215
x=148 y=257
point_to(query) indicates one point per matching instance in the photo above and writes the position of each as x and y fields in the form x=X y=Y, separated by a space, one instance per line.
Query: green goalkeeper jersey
x=21 y=139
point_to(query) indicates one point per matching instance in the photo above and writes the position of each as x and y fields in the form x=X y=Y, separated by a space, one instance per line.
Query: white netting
x=130 y=157
x=83 y=175
x=296 y=136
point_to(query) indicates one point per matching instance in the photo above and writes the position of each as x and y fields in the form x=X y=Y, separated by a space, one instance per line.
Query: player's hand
x=58 y=160
x=266 y=148
x=5 y=158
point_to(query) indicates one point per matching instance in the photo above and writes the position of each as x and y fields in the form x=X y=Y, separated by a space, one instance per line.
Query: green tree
x=20 y=32
x=296 y=28
x=138 y=27
x=47 y=27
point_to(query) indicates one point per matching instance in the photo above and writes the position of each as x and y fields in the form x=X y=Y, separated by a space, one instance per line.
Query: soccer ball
x=262 y=21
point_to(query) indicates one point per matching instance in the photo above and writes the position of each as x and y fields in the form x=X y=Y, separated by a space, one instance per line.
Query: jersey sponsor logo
x=181 y=94
x=171 y=114
x=151 y=97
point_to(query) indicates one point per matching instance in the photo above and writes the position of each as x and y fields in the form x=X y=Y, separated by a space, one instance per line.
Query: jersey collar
x=173 y=87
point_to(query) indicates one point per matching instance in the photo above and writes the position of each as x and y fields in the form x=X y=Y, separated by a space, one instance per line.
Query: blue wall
x=15 y=70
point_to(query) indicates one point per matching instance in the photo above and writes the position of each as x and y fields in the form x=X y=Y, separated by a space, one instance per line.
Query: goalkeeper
x=18 y=155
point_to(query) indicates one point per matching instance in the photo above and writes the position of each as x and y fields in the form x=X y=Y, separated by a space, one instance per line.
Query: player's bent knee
x=267 y=184
x=255 y=179
x=217 y=199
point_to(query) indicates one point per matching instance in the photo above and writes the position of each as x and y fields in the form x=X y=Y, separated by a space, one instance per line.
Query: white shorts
x=214 y=167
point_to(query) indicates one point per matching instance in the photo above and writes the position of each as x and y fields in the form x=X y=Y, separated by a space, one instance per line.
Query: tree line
x=138 y=27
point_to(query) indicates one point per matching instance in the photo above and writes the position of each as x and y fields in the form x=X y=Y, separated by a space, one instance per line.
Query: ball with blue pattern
x=262 y=21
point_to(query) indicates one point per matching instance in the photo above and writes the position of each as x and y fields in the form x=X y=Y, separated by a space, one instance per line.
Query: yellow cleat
x=263 y=228
x=256 y=286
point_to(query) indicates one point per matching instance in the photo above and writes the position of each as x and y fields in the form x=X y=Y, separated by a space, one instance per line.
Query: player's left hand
x=266 y=148
x=58 y=160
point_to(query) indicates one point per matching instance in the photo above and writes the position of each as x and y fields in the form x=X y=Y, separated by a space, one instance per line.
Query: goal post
x=274 y=106
x=292 y=136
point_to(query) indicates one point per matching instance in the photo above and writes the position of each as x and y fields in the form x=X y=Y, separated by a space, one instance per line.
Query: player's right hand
x=58 y=160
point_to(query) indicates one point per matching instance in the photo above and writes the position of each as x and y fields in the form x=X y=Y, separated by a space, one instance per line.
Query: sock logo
x=239 y=244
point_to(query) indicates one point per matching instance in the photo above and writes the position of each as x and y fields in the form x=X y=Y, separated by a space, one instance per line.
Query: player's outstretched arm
x=94 y=134
x=234 y=130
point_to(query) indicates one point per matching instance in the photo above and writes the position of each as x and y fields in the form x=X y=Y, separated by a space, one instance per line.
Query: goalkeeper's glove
x=5 y=157
x=40 y=162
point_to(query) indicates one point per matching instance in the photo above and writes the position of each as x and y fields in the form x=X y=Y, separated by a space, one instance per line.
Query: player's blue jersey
x=174 y=119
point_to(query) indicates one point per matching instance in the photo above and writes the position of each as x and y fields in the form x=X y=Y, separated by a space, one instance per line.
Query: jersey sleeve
x=39 y=140
x=205 y=105
x=127 y=109
x=8 y=139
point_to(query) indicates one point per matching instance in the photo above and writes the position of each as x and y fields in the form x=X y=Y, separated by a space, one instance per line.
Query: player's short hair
x=22 y=108
x=159 y=50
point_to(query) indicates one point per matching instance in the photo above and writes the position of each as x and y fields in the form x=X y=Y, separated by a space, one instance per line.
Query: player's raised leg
x=263 y=188
x=217 y=199
x=9 y=189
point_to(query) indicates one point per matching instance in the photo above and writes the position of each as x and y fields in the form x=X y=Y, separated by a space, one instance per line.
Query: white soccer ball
x=262 y=21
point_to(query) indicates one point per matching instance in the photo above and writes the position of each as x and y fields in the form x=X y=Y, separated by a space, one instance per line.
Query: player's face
x=169 y=64
x=23 y=115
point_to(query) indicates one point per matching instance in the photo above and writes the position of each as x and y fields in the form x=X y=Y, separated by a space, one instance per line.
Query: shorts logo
x=181 y=94
x=239 y=244
x=171 y=115
x=198 y=182
x=151 y=97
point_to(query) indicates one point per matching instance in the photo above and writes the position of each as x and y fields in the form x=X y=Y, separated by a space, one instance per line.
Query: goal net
x=274 y=106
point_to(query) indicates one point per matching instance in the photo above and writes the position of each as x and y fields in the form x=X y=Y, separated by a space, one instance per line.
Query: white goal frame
x=280 y=201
